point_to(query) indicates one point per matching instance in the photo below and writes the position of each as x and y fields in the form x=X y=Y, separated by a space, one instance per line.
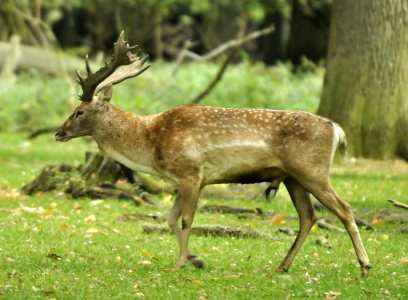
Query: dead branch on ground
x=398 y=204
x=324 y=225
x=212 y=229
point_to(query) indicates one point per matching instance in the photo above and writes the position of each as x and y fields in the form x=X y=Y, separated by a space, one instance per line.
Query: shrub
x=37 y=101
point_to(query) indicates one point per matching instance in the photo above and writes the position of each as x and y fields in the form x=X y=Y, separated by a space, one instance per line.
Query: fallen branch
x=213 y=230
x=140 y=217
x=387 y=215
x=106 y=191
x=224 y=209
x=398 y=204
x=402 y=230
x=243 y=213
x=113 y=230
x=288 y=231
x=324 y=225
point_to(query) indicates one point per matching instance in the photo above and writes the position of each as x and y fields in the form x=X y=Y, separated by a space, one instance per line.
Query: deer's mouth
x=62 y=136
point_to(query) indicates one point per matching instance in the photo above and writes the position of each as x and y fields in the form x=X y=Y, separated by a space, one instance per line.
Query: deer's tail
x=341 y=141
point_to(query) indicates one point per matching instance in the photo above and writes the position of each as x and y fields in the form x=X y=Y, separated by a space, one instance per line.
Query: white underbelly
x=137 y=164
x=239 y=165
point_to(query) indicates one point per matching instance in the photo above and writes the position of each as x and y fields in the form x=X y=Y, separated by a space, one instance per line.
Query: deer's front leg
x=172 y=222
x=185 y=205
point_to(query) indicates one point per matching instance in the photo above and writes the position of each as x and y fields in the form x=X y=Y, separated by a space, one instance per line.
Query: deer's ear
x=105 y=95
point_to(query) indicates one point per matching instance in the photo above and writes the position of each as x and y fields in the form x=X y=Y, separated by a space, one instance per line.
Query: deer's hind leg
x=307 y=217
x=324 y=192
x=172 y=220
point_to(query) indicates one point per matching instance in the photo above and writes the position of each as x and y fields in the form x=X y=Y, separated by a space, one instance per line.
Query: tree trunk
x=274 y=46
x=39 y=59
x=365 y=85
x=309 y=32
x=157 y=31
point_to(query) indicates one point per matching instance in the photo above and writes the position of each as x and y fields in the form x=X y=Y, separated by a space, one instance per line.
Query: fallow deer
x=195 y=145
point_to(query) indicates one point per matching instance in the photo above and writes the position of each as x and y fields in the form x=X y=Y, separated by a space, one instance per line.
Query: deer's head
x=97 y=90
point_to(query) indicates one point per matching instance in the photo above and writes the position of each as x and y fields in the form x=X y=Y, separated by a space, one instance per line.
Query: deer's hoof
x=282 y=269
x=179 y=266
x=365 y=270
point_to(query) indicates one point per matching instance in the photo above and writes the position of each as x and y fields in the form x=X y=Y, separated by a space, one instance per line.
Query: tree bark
x=365 y=85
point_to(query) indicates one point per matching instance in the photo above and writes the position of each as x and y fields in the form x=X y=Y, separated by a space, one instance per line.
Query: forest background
x=57 y=246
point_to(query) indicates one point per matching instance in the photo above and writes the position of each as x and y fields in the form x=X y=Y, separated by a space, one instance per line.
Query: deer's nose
x=59 y=135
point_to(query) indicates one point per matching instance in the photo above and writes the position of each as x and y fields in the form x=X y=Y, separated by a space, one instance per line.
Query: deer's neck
x=123 y=136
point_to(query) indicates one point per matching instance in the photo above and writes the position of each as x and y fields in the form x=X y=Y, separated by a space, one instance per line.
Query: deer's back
x=239 y=145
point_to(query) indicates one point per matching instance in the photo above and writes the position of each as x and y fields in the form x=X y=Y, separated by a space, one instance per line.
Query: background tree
x=161 y=27
x=25 y=20
x=365 y=86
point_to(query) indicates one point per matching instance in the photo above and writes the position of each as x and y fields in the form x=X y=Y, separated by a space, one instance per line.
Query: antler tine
x=132 y=70
x=122 y=56
x=82 y=80
x=122 y=51
x=88 y=68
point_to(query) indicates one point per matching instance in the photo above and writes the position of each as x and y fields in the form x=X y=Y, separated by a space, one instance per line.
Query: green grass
x=50 y=249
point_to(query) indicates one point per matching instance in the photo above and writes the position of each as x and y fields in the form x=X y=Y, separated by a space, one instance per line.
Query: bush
x=38 y=101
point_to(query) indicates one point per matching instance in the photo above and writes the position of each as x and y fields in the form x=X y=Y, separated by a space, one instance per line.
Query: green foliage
x=254 y=10
x=54 y=247
x=43 y=101
x=34 y=101
x=33 y=20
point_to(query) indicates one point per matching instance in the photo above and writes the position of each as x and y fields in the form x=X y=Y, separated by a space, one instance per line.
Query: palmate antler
x=123 y=56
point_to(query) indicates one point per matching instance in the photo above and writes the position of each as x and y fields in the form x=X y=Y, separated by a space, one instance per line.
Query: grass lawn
x=54 y=247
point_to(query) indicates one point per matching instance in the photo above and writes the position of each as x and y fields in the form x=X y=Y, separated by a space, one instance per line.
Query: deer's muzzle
x=62 y=136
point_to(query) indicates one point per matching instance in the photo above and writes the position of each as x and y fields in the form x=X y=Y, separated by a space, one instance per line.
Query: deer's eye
x=79 y=113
